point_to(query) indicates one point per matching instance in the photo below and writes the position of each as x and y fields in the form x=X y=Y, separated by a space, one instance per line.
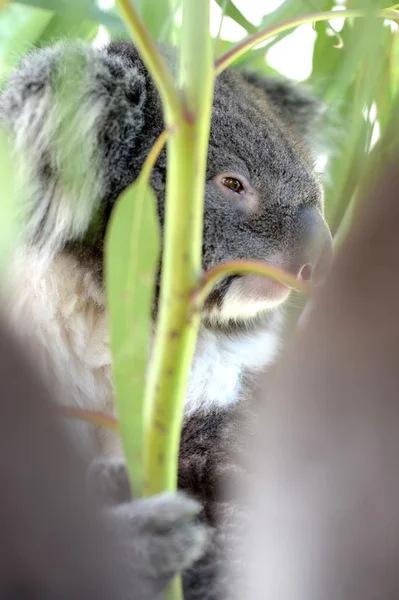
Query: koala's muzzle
x=312 y=254
x=306 y=254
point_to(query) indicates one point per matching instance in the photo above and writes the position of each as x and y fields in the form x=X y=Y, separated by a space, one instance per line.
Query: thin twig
x=152 y=58
x=242 y=267
x=90 y=416
x=261 y=36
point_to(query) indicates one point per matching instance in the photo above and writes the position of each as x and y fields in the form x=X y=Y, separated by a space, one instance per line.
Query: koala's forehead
x=246 y=130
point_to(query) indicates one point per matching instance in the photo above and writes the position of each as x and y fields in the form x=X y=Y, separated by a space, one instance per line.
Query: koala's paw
x=160 y=536
x=108 y=481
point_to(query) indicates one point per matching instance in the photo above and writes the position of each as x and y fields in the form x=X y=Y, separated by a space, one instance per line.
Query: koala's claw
x=161 y=535
x=156 y=537
x=108 y=481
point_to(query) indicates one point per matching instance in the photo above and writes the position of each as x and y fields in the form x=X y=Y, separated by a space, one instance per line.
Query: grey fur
x=115 y=115
x=294 y=103
x=166 y=533
x=247 y=136
x=157 y=538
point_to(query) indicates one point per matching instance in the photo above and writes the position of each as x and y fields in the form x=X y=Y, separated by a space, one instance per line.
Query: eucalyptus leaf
x=20 y=29
x=132 y=255
x=355 y=82
x=8 y=200
x=84 y=9
x=394 y=67
x=158 y=16
x=388 y=78
x=68 y=26
x=289 y=10
x=230 y=10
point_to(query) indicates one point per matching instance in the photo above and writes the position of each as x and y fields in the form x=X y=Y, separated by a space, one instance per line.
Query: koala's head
x=263 y=200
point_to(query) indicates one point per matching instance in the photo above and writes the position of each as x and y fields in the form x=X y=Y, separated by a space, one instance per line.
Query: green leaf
x=20 y=28
x=253 y=60
x=83 y=9
x=256 y=59
x=385 y=85
x=290 y=10
x=131 y=260
x=354 y=86
x=395 y=64
x=67 y=26
x=326 y=58
x=158 y=17
x=8 y=199
x=230 y=10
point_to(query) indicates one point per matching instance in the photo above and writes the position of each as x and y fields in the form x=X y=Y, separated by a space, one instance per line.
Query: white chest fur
x=220 y=363
x=55 y=312
x=59 y=315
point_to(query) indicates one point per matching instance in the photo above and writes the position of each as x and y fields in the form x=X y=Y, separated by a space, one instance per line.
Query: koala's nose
x=314 y=253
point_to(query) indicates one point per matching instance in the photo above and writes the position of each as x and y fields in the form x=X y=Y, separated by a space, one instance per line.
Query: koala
x=82 y=121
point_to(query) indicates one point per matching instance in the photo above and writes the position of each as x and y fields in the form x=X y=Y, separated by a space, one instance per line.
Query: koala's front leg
x=157 y=537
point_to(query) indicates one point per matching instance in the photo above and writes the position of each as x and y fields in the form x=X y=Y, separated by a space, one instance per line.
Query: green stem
x=157 y=15
x=181 y=268
x=242 y=47
x=241 y=267
x=152 y=157
x=152 y=58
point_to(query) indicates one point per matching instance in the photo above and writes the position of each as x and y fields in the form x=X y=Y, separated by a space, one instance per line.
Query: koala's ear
x=296 y=106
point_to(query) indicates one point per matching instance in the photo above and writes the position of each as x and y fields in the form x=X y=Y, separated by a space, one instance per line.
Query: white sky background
x=292 y=57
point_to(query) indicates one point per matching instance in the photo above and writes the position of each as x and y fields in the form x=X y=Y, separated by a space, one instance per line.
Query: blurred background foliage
x=353 y=65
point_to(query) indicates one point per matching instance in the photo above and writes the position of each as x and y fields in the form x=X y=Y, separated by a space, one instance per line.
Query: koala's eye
x=236 y=188
x=233 y=184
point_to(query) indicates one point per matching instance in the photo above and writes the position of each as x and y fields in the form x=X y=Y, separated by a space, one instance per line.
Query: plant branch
x=176 y=333
x=83 y=10
x=242 y=47
x=90 y=416
x=241 y=267
x=152 y=58
x=152 y=157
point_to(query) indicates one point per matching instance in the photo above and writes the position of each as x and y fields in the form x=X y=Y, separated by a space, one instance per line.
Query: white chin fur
x=248 y=297
x=221 y=362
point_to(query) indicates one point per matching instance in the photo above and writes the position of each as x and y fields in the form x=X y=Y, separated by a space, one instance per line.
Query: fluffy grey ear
x=293 y=102
x=75 y=117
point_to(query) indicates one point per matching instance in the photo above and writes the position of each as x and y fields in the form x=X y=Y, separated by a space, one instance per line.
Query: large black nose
x=312 y=256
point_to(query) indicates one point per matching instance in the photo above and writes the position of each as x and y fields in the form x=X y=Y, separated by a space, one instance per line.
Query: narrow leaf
x=132 y=254
x=289 y=10
x=8 y=200
x=20 y=28
x=68 y=26
x=230 y=10
x=79 y=8
x=157 y=16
